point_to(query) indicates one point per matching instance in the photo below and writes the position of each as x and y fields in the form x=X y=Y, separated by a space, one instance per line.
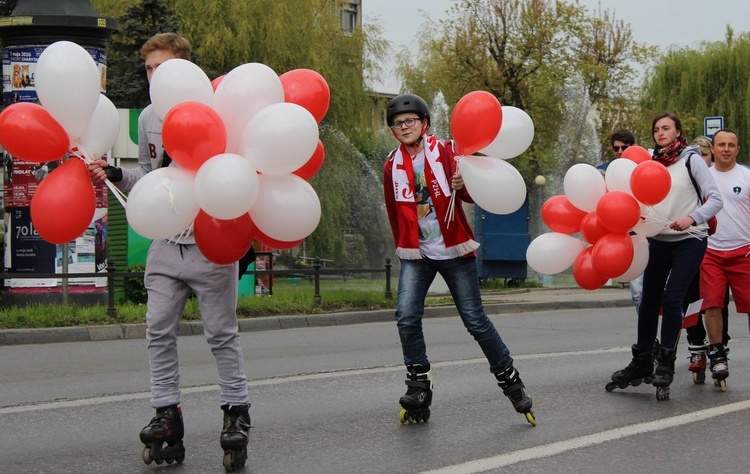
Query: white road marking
x=536 y=452
x=277 y=381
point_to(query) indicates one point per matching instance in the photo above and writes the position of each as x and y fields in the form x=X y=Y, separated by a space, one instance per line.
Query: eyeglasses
x=620 y=148
x=408 y=122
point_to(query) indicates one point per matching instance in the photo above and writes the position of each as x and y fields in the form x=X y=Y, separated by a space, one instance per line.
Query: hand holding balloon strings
x=676 y=225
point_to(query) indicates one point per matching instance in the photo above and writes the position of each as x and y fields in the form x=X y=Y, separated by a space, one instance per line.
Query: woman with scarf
x=675 y=255
x=423 y=195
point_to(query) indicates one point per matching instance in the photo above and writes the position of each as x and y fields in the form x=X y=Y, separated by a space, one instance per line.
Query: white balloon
x=584 y=186
x=283 y=123
x=553 y=252
x=67 y=84
x=287 y=208
x=226 y=186
x=178 y=80
x=493 y=184
x=640 y=259
x=103 y=129
x=244 y=91
x=162 y=203
x=617 y=176
x=515 y=135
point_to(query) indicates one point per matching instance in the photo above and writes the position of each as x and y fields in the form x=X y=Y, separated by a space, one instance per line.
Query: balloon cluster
x=612 y=213
x=480 y=124
x=73 y=118
x=245 y=144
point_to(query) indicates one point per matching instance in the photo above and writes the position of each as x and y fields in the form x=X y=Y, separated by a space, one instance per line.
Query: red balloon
x=562 y=216
x=192 y=133
x=618 y=211
x=650 y=182
x=592 y=229
x=312 y=166
x=223 y=241
x=215 y=83
x=476 y=121
x=28 y=132
x=63 y=205
x=613 y=254
x=584 y=272
x=636 y=153
x=307 y=88
x=275 y=244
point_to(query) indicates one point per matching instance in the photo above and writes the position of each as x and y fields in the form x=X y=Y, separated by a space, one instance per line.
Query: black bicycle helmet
x=407 y=103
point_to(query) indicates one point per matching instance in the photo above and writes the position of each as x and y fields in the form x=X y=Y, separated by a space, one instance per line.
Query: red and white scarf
x=458 y=238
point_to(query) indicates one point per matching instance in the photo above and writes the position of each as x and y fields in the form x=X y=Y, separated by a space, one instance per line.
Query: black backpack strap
x=692 y=179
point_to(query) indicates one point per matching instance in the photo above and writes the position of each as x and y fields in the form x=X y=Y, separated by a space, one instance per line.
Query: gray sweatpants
x=172 y=271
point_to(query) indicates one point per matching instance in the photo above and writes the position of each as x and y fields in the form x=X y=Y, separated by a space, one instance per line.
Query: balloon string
x=697 y=233
x=451 y=209
x=79 y=151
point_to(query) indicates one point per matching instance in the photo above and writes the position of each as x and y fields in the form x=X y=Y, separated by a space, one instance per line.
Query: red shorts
x=722 y=267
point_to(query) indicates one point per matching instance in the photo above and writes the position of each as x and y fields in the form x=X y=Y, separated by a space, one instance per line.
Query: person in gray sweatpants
x=175 y=269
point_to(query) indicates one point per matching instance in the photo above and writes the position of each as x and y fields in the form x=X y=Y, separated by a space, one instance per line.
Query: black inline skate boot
x=664 y=372
x=640 y=370
x=163 y=437
x=418 y=397
x=234 y=435
x=719 y=365
x=514 y=389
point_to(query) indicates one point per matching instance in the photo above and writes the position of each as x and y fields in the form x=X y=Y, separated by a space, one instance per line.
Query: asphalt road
x=325 y=400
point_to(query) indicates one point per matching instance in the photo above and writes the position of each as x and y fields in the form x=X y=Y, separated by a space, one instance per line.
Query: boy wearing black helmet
x=432 y=235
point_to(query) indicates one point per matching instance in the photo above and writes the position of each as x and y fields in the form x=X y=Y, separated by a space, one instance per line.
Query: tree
x=707 y=81
x=127 y=86
x=528 y=53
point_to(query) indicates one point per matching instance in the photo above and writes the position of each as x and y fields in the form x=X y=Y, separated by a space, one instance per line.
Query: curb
x=12 y=337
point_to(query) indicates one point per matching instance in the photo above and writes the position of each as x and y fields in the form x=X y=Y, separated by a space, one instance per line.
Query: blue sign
x=711 y=125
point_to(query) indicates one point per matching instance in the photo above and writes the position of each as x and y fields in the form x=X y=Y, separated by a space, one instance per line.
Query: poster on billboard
x=25 y=251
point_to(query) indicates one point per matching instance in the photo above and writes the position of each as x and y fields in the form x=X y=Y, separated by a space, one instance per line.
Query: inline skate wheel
x=722 y=384
x=530 y=418
x=610 y=386
x=662 y=393
x=699 y=377
x=403 y=416
x=146 y=455
x=231 y=463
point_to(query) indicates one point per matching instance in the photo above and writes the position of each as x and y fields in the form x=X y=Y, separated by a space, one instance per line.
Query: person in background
x=620 y=140
x=696 y=334
x=675 y=256
x=726 y=263
x=175 y=269
x=419 y=180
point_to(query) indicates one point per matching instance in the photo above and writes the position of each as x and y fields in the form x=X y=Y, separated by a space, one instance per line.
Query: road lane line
x=280 y=380
x=507 y=459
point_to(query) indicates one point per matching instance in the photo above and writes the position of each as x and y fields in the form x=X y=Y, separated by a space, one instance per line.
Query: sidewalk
x=495 y=302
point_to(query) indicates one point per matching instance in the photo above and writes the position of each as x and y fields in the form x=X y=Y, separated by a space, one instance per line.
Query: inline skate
x=416 y=401
x=664 y=372
x=513 y=388
x=640 y=370
x=698 y=357
x=234 y=435
x=162 y=437
x=719 y=365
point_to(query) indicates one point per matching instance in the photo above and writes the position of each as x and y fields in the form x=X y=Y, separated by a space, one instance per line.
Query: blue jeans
x=671 y=267
x=463 y=282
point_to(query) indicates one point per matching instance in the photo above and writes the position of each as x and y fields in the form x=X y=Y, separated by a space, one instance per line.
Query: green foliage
x=127 y=86
x=7 y=6
x=707 y=81
x=353 y=230
x=287 y=299
x=527 y=53
x=135 y=291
